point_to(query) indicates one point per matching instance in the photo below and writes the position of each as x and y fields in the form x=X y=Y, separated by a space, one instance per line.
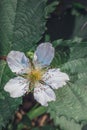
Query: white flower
x=33 y=75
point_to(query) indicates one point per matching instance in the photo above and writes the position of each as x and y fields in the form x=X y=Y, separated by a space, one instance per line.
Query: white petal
x=18 y=62
x=17 y=86
x=44 y=54
x=44 y=94
x=55 y=78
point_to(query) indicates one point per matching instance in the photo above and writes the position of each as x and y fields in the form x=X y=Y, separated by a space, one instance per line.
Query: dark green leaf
x=71 y=100
x=80 y=26
x=22 y=23
x=7 y=105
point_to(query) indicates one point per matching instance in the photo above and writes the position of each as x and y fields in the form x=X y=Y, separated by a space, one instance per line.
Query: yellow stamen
x=35 y=75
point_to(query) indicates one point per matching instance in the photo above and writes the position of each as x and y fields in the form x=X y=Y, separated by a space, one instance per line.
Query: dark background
x=61 y=22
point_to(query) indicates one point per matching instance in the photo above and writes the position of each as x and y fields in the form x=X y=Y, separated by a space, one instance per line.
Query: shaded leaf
x=80 y=26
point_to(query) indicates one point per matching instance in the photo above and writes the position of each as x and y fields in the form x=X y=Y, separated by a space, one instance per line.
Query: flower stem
x=36 y=112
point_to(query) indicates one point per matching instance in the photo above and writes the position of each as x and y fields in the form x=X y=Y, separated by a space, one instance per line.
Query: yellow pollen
x=35 y=75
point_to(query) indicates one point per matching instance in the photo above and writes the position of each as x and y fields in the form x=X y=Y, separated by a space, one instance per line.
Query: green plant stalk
x=36 y=112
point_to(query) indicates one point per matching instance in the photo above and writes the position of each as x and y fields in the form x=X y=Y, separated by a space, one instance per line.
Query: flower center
x=35 y=75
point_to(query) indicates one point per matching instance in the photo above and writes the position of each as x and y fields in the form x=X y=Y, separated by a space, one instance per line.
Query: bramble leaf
x=71 y=99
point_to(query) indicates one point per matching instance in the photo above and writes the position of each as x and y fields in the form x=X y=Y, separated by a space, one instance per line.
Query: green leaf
x=7 y=105
x=51 y=7
x=7 y=108
x=71 y=99
x=61 y=52
x=65 y=124
x=22 y=24
x=80 y=26
x=29 y=23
